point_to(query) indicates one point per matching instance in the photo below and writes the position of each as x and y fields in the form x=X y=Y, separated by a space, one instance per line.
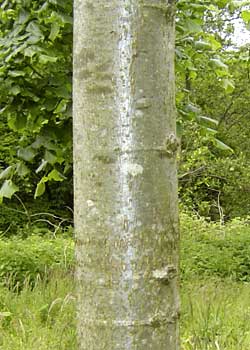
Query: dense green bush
x=212 y=182
x=207 y=249
x=214 y=178
x=35 y=113
x=25 y=260
x=210 y=249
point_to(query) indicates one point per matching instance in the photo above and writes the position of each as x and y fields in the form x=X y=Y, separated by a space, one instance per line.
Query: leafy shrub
x=212 y=182
x=211 y=249
x=207 y=249
x=36 y=74
x=24 y=260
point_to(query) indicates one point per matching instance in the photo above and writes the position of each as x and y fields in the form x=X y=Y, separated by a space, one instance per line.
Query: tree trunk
x=126 y=219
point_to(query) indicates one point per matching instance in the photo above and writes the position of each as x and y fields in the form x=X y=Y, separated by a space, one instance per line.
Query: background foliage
x=212 y=78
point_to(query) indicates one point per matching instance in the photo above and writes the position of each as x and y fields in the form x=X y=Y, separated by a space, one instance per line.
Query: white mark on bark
x=92 y=208
x=165 y=274
x=143 y=103
x=90 y=203
x=139 y=113
x=124 y=102
x=104 y=133
x=134 y=169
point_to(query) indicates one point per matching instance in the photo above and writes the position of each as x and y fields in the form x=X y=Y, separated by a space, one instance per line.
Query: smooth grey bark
x=126 y=219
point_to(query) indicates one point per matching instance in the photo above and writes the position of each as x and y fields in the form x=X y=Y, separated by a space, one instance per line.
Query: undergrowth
x=41 y=317
x=207 y=249
x=215 y=315
x=211 y=249
x=24 y=260
x=37 y=297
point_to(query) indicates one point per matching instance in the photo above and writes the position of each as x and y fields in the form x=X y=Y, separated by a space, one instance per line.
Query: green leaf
x=22 y=169
x=33 y=28
x=222 y=3
x=191 y=25
x=16 y=73
x=207 y=120
x=55 y=175
x=245 y=15
x=218 y=63
x=26 y=153
x=28 y=93
x=192 y=75
x=7 y=173
x=185 y=115
x=15 y=90
x=192 y=108
x=221 y=145
x=44 y=59
x=202 y=45
x=216 y=45
x=8 y=189
x=63 y=91
x=62 y=105
x=31 y=50
x=20 y=122
x=211 y=131
x=40 y=188
x=228 y=85
x=61 y=17
x=44 y=141
x=15 y=52
x=221 y=73
x=50 y=157
x=55 y=29
x=23 y=16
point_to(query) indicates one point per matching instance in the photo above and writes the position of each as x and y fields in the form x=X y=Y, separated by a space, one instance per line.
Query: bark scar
x=170 y=146
x=166 y=274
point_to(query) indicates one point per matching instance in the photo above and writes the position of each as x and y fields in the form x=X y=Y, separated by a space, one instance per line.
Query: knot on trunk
x=166 y=274
x=170 y=146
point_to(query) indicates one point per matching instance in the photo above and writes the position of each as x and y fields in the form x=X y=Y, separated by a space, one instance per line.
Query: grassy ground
x=215 y=316
x=215 y=270
x=38 y=319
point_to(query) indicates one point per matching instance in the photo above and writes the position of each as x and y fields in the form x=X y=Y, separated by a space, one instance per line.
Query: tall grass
x=39 y=314
x=39 y=318
x=215 y=316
